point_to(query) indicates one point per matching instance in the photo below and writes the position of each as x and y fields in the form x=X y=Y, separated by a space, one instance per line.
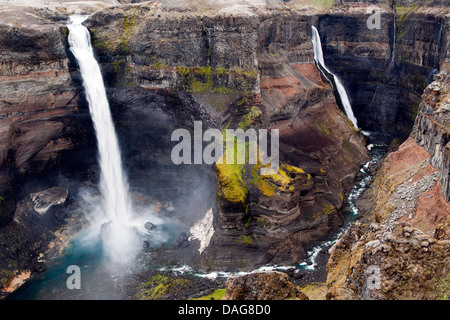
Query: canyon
x=230 y=65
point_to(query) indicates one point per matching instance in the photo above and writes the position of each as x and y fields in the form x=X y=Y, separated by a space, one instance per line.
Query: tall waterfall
x=116 y=205
x=394 y=36
x=318 y=57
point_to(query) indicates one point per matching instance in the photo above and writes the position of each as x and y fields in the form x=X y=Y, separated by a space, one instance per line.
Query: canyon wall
x=233 y=65
x=386 y=70
x=408 y=243
x=246 y=70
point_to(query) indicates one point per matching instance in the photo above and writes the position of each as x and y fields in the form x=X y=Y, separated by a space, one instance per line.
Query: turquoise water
x=97 y=281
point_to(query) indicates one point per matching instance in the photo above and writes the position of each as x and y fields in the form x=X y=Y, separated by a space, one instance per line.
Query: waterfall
x=116 y=205
x=394 y=40
x=318 y=57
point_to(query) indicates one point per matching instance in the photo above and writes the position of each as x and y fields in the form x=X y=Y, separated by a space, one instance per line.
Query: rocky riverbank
x=408 y=244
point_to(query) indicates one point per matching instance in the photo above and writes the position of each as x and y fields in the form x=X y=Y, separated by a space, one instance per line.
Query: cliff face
x=266 y=80
x=43 y=116
x=432 y=129
x=45 y=131
x=386 y=70
x=230 y=65
x=409 y=244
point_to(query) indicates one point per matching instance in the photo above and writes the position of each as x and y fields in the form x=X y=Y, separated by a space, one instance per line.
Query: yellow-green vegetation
x=443 y=287
x=6 y=276
x=322 y=126
x=261 y=222
x=229 y=176
x=315 y=290
x=250 y=117
x=157 y=286
x=207 y=79
x=117 y=38
x=231 y=183
x=349 y=148
x=285 y=176
x=216 y=295
x=283 y=180
x=324 y=208
x=323 y=4
x=403 y=14
x=245 y=240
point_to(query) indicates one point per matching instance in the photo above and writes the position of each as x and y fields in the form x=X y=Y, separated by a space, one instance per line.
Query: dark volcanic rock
x=385 y=89
x=149 y=226
x=181 y=241
x=43 y=200
x=267 y=285
x=432 y=127
x=267 y=81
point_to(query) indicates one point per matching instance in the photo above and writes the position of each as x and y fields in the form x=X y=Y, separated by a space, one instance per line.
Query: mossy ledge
x=217 y=80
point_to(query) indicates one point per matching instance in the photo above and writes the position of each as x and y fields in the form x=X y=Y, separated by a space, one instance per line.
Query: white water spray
x=318 y=57
x=116 y=206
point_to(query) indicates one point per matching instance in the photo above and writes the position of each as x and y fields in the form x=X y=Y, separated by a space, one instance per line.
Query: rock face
x=396 y=262
x=432 y=127
x=43 y=116
x=385 y=70
x=45 y=131
x=269 y=285
x=43 y=200
x=230 y=65
x=268 y=81
x=405 y=254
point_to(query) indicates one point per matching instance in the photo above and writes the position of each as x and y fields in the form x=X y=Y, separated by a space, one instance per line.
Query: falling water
x=394 y=40
x=318 y=57
x=116 y=206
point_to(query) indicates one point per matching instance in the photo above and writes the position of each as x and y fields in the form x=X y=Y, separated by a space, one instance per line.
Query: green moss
x=245 y=240
x=250 y=117
x=157 y=286
x=128 y=24
x=5 y=277
x=158 y=65
x=284 y=180
x=322 y=126
x=323 y=4
x=444 y=289
x=261 y=222
x=230 y=177
x=231 y=183
x=403 y=15
x=349 y=148
x=207 y=79
x=216 y=295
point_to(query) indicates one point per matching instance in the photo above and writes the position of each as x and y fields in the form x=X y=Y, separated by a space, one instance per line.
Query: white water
x=115 y=203
x=318 y=57
x=394 y=40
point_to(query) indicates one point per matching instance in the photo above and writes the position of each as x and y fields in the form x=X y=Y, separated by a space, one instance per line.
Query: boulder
x=266 y=285
x=149 y=226
x=45 y=199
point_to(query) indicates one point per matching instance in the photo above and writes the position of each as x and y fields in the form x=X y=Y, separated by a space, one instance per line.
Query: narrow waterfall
x=116 y=205
x=394 y=38
x=318 y=57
